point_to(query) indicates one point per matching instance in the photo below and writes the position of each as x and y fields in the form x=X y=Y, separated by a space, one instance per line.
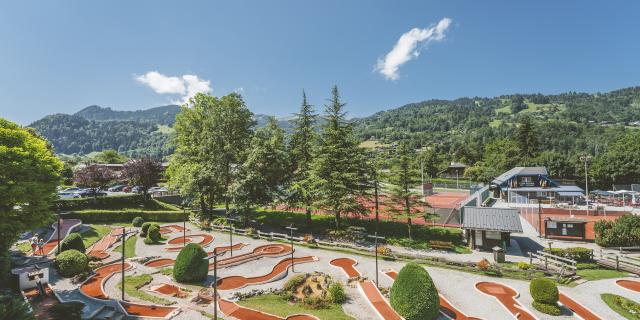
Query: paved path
x=66 y=225
x=279 y=271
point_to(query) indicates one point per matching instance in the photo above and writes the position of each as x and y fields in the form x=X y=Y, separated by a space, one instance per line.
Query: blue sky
x=60 y=56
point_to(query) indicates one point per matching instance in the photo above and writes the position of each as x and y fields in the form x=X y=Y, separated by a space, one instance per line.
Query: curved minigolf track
x=629 y=285
x=507 y=297
x=171 y=229
x=239 y=312
x=205 y=241
x=583 y=312
x=145 y=310
x=223 y=249
x=445 y=306
x=94 y=286
x=278 y=272
x=348 y=266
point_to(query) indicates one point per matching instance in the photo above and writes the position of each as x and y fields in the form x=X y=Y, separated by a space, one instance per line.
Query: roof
x=457 y=165
x=549 y=189
x=567 y=220
x=570 y=194
x=492 y=219
x=520 y=171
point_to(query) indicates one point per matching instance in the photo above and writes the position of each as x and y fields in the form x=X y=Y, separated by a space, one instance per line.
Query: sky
x=61 y=56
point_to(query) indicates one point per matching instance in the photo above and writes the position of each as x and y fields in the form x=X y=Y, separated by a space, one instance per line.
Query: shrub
x=71 y=263
x=190 y=264
x=524 y=266
x=622 y=232
x=137 y=221
x=14 y=307
x=413 y=294
x=483 y=264
x=294 y=282
x=72 y=242
x=579 y=254
x=67 y=311
x=544 y=290
x=337 y=293
x=315 y=302
x=143 y=229
x=551 y=309
x=153 y=234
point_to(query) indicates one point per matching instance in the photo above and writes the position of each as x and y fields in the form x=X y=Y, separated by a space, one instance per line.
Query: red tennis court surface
x=537 y=221
x=280 y=269
x=507 y=297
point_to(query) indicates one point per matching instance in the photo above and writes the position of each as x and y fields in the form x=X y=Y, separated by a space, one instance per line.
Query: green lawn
x=94 y=234
x=132 y=288
x=24 y=246
x=599 y=274
x=129 y=247
x=275 y=305
x=627 y=308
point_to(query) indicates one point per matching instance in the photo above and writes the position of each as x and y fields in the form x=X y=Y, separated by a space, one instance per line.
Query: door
x=478 y=239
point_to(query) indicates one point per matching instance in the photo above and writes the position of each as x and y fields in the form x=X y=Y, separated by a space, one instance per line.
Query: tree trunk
x=337 y=219
x=308 y=213
x=226 y=206
x=409 y=228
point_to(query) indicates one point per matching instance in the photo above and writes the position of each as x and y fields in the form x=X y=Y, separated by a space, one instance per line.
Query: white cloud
x=186 y=85
x=407 y=49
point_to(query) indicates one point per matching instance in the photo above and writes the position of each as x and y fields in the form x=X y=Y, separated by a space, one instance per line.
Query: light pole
x=184 y=227
x=375 y=237
x=291 y=229
x=231 y=228
x=215 y=280
x=585 y=158
x=124 y=235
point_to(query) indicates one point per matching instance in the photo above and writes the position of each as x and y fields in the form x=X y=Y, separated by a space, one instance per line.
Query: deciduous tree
x=143 y=172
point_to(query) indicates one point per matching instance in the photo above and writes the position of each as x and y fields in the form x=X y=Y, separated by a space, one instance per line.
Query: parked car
x=68 y=195
x=136 y=189
x=126 y=189
x=158 y=189
x=71 y=190
x=117 y=188
x=90 y=193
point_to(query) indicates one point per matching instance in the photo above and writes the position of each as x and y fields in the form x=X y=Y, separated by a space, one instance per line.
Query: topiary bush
x=153 y=234
x=71 y=263
x=137 y=221
x=545 y=296
x=144 y=228
x=337 y=293
x=72 y=242
x=413 y=294
x=191 y=265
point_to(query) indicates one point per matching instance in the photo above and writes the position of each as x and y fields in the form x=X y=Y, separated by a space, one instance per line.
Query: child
x=41 y=246
x=34 y=244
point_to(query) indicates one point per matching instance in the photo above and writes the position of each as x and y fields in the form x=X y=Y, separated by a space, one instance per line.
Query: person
x=41 y=246
x=34 y=244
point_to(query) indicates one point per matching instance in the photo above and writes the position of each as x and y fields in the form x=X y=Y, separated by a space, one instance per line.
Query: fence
x=476 y=199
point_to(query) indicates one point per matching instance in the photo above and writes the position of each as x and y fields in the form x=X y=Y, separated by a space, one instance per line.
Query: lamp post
x=60 y=214
x=375 y=237
x=215 y=281
x=585 y=158
x=124 y=235
x=292 y=229
x=231 y=228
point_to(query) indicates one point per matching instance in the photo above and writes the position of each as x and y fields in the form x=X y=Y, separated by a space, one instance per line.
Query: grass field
x=129 y=247
x=94 y=234
x=275 y=305
x=599 y=274
x=132 y=287
x=627 y=308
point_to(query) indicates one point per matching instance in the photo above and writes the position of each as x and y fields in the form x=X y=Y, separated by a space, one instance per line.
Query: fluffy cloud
x=407 y=49
x=186 y=85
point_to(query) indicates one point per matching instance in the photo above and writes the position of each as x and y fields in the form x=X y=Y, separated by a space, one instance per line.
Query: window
x=552 y=225
x=494 y=235
x=569 y=225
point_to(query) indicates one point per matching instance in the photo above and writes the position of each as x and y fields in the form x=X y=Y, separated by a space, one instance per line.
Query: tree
x=558 y=164
x=110 y=156
x=143 y=172
x=93 y=176
x=413 y=294
x=402 y=202
x=14 y=306
x=499 y=156
x=264 y=171
x=29 y=175
x=301 y=153
x=517 y=104
x=211 y=137
x=337 y=178
x=620 y=164
x=430 y=163
x=527 y=137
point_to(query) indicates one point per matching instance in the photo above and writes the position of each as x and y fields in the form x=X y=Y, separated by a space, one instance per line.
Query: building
x=485 y=228
x=454 y=170
x=522 y=184
x=566 y=229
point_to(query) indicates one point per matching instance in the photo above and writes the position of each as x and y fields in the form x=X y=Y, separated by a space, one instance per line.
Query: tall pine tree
x=527 y=138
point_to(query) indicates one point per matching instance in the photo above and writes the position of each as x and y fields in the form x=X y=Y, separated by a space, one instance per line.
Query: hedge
x=111 y=203
x=72 y=241
x=71 y=263
x=337 y=294
x=413 y=294
x=143 y=229
x=551 y=309
x=191 y=265
x=99 y=216
x=137 y=222
x=622 y=232
x=579 y=254
x=153 y=234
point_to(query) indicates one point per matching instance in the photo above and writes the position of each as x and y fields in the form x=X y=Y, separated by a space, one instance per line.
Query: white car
x=158 y=189
x=68 y=195
x=70 y=190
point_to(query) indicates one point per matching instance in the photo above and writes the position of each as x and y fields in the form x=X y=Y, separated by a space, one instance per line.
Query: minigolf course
x=171 y=229
x=99 y=250
x=205 y=240
x=231 y=309
x=629 y=285
x=445 y=306
x=368 y=289
x=507 y=297
x=66 y=225
x=278 y=272
x=581 y=311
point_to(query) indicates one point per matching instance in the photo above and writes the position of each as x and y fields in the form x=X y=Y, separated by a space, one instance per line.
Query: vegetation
x=627 y=308
x=145 y=228
x=72 y=241
x=71 y=263
x=125 y=215
x=137 y=222
x=578 y=254
x=94 y=234
x=67 y=311
x=274 y=304
x=545 y=296
x=337 y=293
x=143 y=172
x=129 y=247
x=413 y=294
x=191 y=265
x=109 y=156
x=133 y=284
x=29 y=175
x=622 y=232
x=133 y=201
x=599 y=274
x=93 y=176
x=13 y=306
x=153 y=235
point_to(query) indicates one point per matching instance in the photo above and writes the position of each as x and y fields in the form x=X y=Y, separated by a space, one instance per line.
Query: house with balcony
x=523 y=184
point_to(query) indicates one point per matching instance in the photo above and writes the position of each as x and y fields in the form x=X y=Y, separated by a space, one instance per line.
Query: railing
x=619 y=261
x=555 y=262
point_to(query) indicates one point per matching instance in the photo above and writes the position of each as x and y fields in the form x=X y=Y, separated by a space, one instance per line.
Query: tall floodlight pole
x=585 y=158
x=292 y=229
x=184 y=227
x=375 y=239
x=215 y=280
x=124 y=236
x=231 y=228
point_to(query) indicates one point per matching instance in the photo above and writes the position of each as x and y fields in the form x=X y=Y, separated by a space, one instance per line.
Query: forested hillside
x=165 y=115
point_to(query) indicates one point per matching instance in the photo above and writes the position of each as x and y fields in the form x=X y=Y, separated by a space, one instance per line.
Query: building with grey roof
x=486 y=228
x=522 y=184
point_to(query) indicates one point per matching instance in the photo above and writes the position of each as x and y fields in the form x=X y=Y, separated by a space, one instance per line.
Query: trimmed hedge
x=153 y=234
x=544 y=290
x=579 y=254
x=71 y=263
x=550 y=309
x=101 y=216
x=137 y=222
x=413 y=294
x=72 y=242
x=113 y=202
x=145 y=228
x=190 y=265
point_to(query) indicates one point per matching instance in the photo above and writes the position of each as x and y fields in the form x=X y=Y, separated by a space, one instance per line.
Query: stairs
x=108 y=313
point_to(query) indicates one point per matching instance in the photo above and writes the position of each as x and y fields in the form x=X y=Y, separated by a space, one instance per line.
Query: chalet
x=485 y=227
x=522 y=184
x=454 y=170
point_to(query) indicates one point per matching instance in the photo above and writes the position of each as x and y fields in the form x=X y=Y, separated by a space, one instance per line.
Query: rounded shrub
x=153 y=234
x=413 y=294
x=337 y=294
x=137 y=222
x=72 y=242
x=144 y=228
x=544 y=290
x=71 y=263
x=191 y=265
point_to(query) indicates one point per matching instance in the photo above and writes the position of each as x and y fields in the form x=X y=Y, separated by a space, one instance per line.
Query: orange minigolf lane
x=223 y=249
x=446 y=307
x=507 y=297
x=172 y=228
x=629 y=285
x=206 y=240
x=347 y=265
x=144 y=310
x=239 y=312
x=236 y=282
x=99 y=250
x=577 y=308
x=93 y=286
